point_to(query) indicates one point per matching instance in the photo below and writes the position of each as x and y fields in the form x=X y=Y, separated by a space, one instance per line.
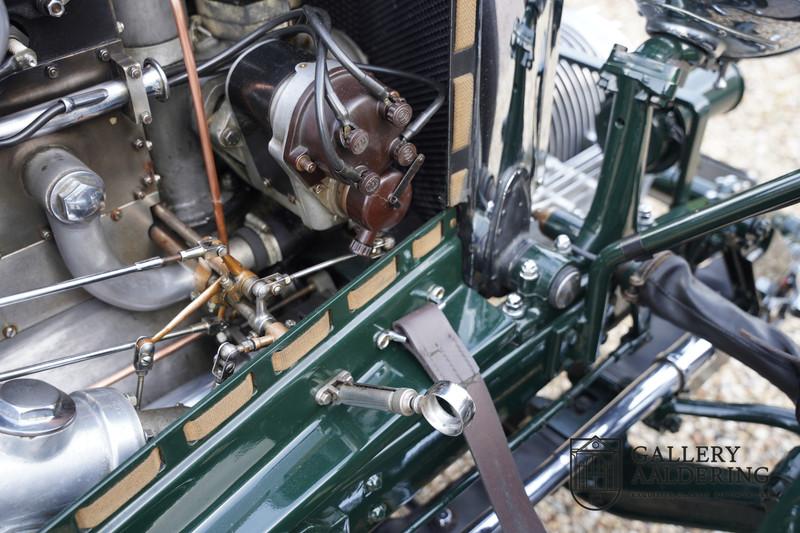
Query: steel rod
x=79 y=358
x=320 y=266
x=82 y=281
x=662 y=380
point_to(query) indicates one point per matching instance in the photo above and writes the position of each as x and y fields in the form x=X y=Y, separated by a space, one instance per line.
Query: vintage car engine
x=202 y=198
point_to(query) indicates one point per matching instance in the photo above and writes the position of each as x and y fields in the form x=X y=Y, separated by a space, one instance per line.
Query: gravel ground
x=756 y=136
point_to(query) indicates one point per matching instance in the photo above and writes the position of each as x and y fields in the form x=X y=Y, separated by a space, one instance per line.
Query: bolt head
x=10 y=331
x=436 y=294
x=230 y=137
x=135 y=71
x=103 y=54
x=52 y=72
x=147 y=118
x=563 y=244
x=77 y=197
x=377 y=514
x=374 y=482
x=514 y=306
x=55 y=8
x=529 y=270
x=31 y=406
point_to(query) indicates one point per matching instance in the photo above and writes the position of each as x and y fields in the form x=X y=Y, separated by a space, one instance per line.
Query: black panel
x=411 y=35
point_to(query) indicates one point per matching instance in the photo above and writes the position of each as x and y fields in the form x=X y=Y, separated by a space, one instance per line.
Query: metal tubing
x=79 y=358
x=116 y=96
x=181 y=21
x=663 y=379
x=160 y=354
x=177 y=225
x=82 y=281
x=767 y=415
x=769 y=196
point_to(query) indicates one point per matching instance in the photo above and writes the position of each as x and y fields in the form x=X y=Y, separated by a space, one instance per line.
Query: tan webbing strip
x=465 y=24
x=457 y=181
x=361 y=295
x=126 y=488
x=298 y=348
x=463 y=87
x=221 y=411
x=420 y=247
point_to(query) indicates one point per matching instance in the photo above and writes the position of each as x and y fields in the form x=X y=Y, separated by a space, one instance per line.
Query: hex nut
x=76 y=197
x=31 y=407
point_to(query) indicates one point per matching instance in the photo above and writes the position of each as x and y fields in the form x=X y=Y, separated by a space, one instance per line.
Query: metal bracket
x=660 y=80
x=131 y=71
x=523 y=38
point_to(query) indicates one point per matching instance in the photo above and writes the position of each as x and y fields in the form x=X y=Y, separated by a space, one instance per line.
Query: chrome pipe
x=82 y=281
x=665 y=378
x=201 y=327
x=116 y=91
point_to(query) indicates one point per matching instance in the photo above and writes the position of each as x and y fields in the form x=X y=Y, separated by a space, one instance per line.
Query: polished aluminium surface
x=663 y=379
x=87 y=253
x=734 y=29
x=62 y=465
x=30 y=408
x=155 y=84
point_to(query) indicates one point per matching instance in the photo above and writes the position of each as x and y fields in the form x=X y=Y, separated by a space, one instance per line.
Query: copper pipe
x=160 y=354
x=187 y=311
x=182 y=22
x=164 y=240
x=169 y=218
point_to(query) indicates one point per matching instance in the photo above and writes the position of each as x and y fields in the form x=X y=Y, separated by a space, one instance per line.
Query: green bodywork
x=286 y=463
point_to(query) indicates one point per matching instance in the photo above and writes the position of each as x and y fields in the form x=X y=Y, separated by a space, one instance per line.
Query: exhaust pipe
x=665 y=378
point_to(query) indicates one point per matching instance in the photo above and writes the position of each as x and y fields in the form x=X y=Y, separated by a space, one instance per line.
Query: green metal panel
x=283 y=461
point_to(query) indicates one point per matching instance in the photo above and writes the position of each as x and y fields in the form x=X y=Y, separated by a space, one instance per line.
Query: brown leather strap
x=437 y=346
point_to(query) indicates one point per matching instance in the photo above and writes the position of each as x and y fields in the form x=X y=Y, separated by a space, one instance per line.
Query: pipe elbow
x=72 y=194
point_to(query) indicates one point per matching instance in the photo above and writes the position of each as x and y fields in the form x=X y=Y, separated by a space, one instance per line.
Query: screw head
x=45 y=234
x=51 y=71
x=116 y=214
x=10 y=331
x=382 y=339
x=445 y=518
x=135 y=71
x=104 y=55
x=563 y=244
x=146 y=117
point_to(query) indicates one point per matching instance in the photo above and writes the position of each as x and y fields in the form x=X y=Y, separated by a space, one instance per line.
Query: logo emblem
x=595 y=472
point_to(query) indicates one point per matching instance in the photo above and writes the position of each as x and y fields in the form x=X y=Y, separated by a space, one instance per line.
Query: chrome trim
x=662 y=380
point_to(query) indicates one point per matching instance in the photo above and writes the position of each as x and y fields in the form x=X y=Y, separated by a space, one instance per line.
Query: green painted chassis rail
x=284 y=462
